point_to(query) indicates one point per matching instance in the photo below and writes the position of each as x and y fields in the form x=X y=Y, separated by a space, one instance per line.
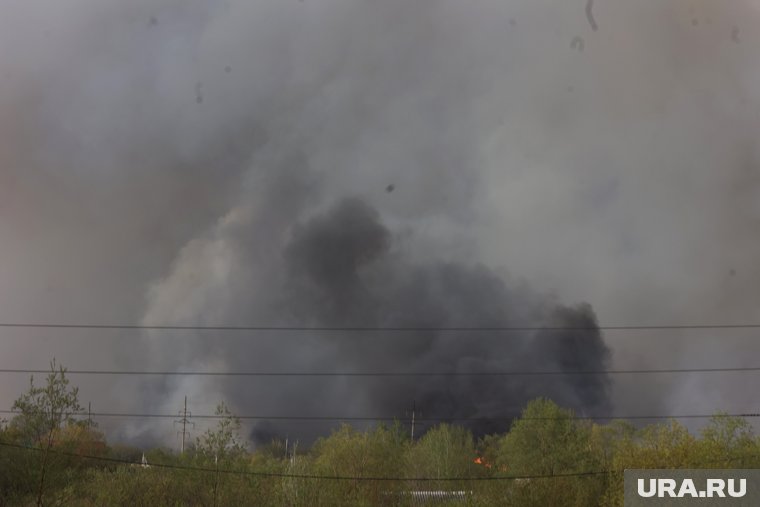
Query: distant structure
x=144 y=462
x=433 y=497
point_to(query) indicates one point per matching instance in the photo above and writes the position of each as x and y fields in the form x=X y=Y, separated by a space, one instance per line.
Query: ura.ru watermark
x=692 y=487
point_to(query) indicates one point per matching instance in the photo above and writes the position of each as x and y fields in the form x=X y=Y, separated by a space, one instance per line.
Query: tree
x=445 y=451
x=223 y=441
x=547 y=440
x=43 y=412
x=727 y=442
x=665 y=445
x=348 y=452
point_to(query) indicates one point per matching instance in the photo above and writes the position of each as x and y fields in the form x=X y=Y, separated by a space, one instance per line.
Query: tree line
x=50 y=456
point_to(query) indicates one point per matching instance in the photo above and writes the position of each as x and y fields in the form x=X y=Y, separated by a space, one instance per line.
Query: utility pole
x=89 y=415
x=216 y=478
x=414 y=408
x=184 y=421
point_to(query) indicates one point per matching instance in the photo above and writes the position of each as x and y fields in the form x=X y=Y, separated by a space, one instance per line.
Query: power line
x=316 y=477
x=128 y=415
x=381 y=329
x=589 y=473
x=524 y=373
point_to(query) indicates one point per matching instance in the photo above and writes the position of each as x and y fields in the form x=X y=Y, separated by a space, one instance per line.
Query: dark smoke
x=342 y=271
x=625 y=175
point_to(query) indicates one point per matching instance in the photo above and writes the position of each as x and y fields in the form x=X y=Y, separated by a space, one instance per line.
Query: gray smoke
x=206 y=162
x=343 y=272
x=342 y=268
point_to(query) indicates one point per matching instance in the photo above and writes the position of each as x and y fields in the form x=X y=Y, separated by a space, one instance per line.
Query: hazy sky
x=159 y=158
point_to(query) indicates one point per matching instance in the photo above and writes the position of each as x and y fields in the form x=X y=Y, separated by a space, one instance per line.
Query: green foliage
x=351 y=453
x=666 y=445
x=444 y=451
x=218 y=470
x=45 y=410
x=548 y=440
x=727 y=442
x=361 y=454
x=46 y=418
x=224 y=440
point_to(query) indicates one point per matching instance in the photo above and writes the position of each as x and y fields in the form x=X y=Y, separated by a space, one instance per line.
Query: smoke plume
x=342 y=163
x=342 y=269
